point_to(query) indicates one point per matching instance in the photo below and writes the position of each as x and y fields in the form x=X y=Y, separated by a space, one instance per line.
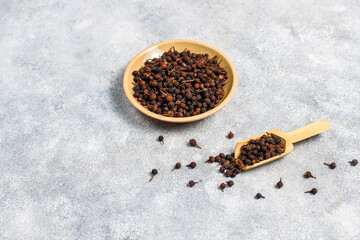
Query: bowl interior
x=180 y=45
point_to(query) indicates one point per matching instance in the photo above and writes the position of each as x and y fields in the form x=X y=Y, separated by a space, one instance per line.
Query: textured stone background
x=75 y=156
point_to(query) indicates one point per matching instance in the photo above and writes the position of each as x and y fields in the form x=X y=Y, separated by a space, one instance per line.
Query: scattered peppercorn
x=308 y=175
x=230 y=135
x=256 y=150
x=258 y=196
x=228 y=173
x=354 y=162
x=193 y=143
x=192 y=183
x=153 y=172
x=180 y=84
x=222 y=162
x=312 y=191
x=222 y=186
x=192 y=165
x=177 y=166
x=230 y=167
x=280 y=184
x=331 y=165
x=211 y=159
x=230 y=183
x=161 y=139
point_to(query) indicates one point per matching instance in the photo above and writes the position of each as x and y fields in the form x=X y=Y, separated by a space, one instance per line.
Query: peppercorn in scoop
x=180 y=84
x=257 y=150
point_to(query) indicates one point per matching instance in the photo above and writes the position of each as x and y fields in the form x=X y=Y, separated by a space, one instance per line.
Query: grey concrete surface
x=75 y=156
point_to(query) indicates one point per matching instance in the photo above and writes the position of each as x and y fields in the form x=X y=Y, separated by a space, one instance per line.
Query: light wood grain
x=308 y=131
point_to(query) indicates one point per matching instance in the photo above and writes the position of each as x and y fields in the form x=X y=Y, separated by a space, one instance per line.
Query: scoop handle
x=308 y=131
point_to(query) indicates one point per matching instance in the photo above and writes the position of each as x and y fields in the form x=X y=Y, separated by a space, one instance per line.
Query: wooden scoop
x=290 y=138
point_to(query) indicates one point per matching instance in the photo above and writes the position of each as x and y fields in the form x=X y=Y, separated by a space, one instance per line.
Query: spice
x=222 y=161
x=192 y=183
x=228 y=173
x=161 y=139
x=308 y=175
x=256 y=150
x=177 y=166
x=229 y=167
x=331 y=165
x=222 y=186
x=354 y=162
x=280 y=184
x=312 y=191
x=258 y=196
x=192 y=165
x=180 y=84
x=193 y=143
x=230 y=183
x=153 y=172
x=211 y=159
x=230 y=135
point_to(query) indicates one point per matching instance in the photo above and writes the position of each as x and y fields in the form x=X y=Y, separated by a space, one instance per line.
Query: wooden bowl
x=180 y=44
